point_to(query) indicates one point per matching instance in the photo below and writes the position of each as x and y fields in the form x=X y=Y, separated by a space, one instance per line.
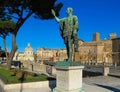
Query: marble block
x=69 y=79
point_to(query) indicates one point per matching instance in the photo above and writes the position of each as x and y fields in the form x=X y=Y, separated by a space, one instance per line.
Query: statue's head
x=69 y=10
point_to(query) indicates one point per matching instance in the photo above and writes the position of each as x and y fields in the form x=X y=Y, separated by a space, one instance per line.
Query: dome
x=28 y=48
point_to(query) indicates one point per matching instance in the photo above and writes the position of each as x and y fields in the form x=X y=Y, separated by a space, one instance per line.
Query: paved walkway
x=101 y=84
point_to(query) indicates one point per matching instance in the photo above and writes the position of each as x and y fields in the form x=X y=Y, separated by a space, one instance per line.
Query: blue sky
x=101 y=16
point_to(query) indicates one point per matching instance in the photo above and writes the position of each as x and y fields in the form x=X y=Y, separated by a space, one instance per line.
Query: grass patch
x=18 y=76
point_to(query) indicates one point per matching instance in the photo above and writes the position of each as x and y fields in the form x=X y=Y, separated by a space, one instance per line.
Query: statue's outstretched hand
x=53 y=12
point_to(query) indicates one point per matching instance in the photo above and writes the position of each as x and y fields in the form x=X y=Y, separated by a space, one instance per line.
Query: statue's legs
x=76 y=45
x=75 y=41
x=69 y=48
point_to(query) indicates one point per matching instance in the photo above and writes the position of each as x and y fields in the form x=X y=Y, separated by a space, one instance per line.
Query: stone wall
x=41 y=68
x=19 y=86
x=1 y=86
x=34 y=66
x=116 y=51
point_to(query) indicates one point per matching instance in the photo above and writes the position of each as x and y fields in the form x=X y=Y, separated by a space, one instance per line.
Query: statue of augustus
x=68 y=30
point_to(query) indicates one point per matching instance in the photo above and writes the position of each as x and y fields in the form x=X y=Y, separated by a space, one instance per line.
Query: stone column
x=105 y=71
x=69 y=79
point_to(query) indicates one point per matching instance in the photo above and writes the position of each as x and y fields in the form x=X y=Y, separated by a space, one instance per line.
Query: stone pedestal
x=105 y=71
x=69 y=79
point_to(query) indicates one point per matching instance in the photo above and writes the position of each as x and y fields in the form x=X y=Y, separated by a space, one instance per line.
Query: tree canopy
x=41 y=8
x=19 y=11
x=7 y=25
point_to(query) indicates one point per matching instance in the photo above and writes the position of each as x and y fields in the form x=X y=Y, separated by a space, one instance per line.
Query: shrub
x=18 y=76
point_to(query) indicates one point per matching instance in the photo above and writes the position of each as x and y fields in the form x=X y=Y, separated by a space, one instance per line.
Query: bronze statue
x=68 y=30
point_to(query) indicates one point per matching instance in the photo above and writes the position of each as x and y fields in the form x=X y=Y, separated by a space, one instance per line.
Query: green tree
x=20 y=10
x=6 y=27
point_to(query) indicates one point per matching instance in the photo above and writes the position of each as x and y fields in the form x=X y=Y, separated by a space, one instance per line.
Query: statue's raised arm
x=53 y=13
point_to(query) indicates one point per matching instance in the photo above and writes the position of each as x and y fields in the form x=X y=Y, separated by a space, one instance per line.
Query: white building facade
x=28 y=54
